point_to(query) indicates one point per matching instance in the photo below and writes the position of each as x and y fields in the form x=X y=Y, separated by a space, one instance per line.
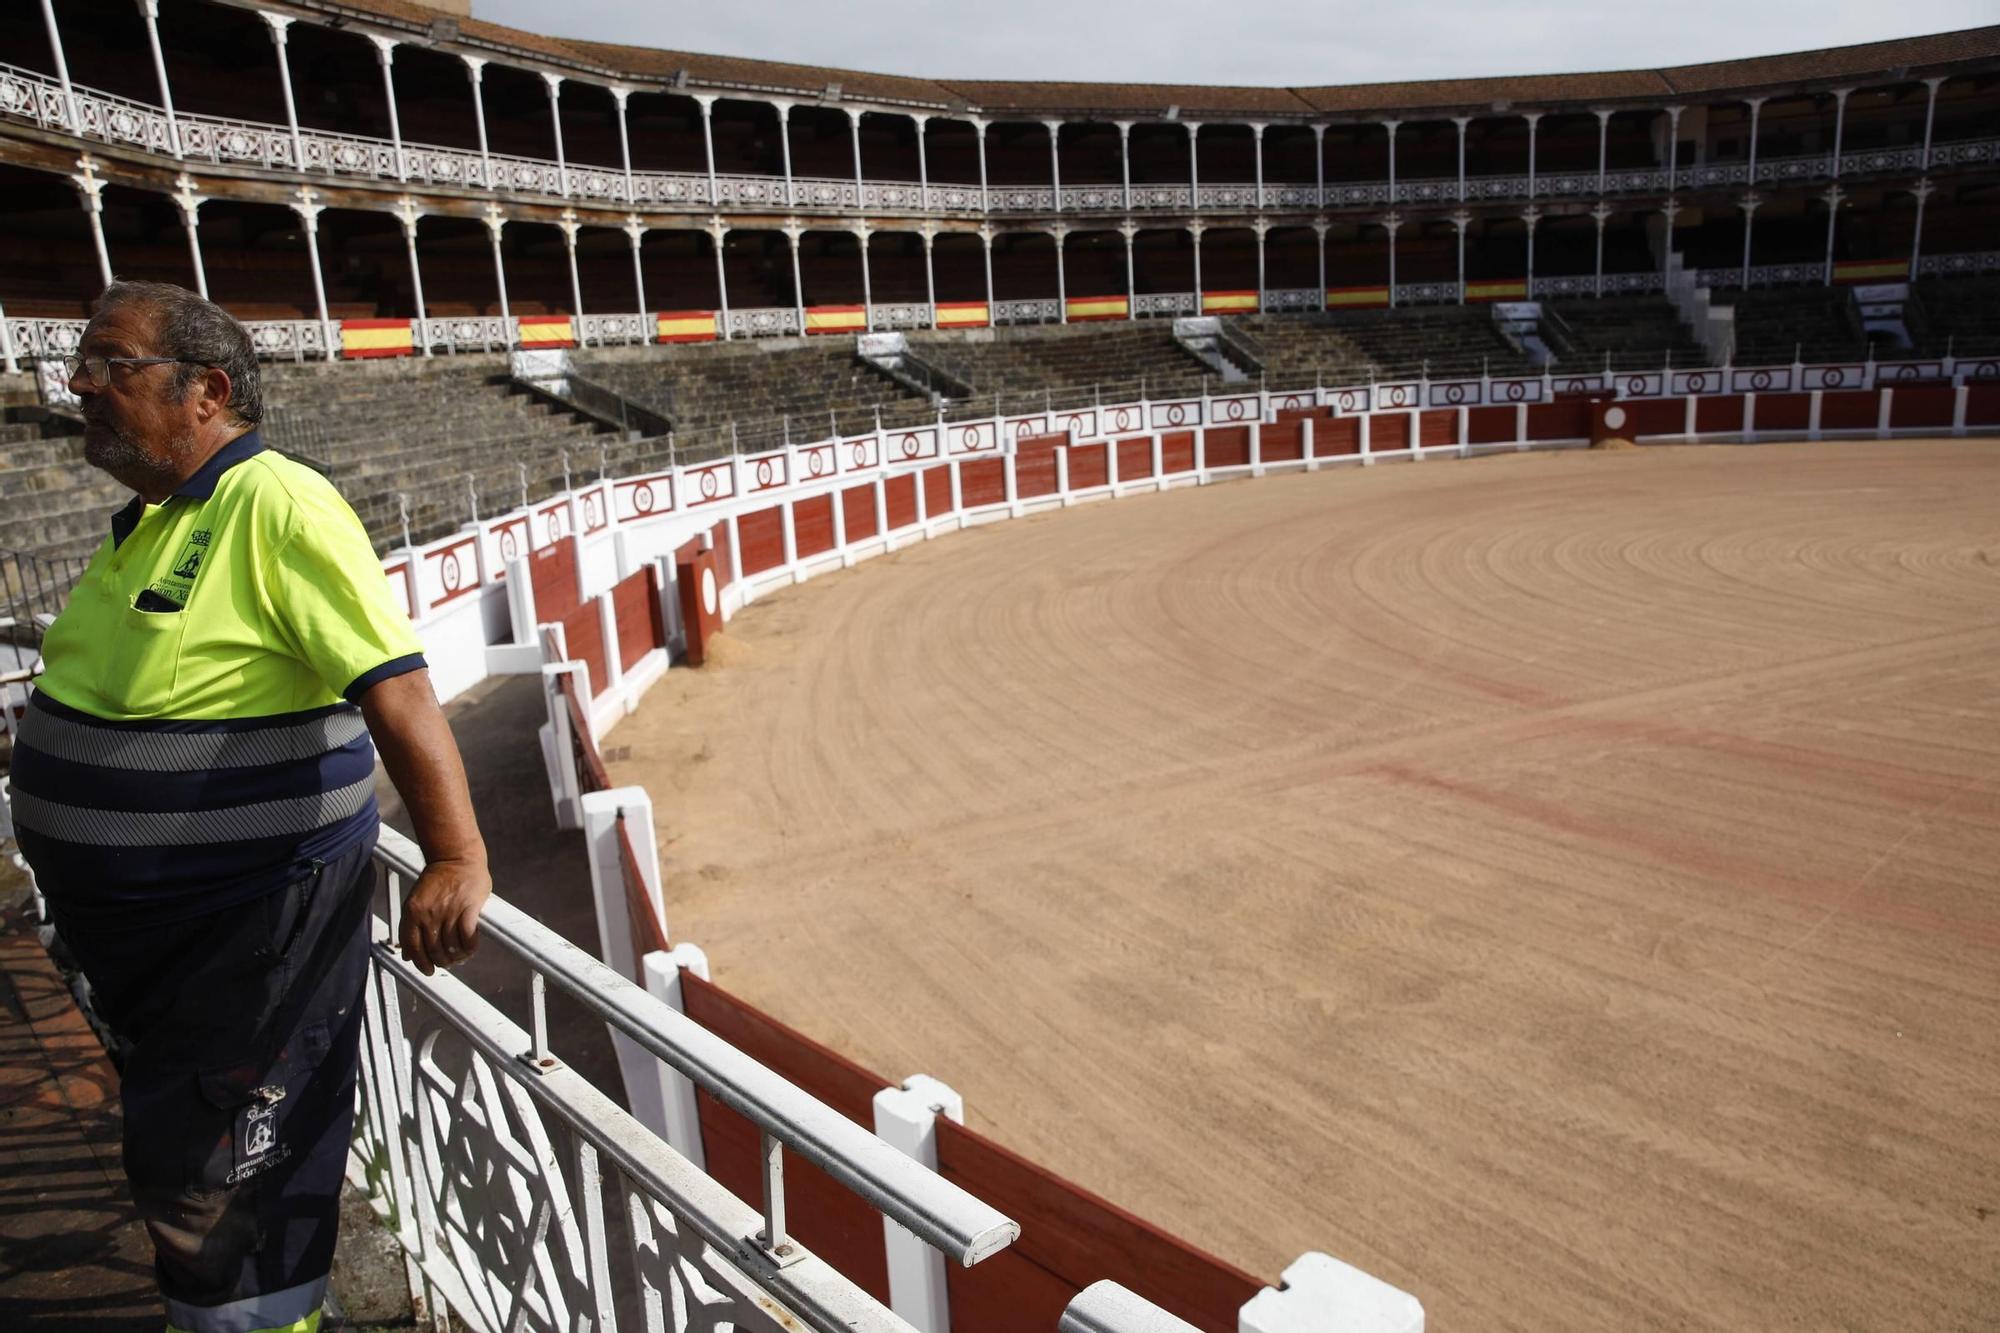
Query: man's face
x=133 y=428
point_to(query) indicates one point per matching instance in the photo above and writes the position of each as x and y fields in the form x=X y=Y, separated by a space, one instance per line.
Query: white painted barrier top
x=931 y=1207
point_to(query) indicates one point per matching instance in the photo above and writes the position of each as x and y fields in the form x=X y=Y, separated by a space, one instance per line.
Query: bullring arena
x=1561 y=881
x=1115 y=708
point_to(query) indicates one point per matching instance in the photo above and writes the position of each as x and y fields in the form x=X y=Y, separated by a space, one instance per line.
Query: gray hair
x=203 y=335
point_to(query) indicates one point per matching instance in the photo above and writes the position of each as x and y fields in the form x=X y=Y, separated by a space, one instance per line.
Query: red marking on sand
x=1690 y=856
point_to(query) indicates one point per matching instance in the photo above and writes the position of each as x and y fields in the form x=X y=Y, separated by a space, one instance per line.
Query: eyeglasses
x=96 y=370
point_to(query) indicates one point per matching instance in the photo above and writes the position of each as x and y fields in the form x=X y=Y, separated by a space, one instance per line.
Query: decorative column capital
x=385 y=47
x=1933 y=82
x=190 y=203
x=1196 y=228
x=1260 y=226
x=1392 y=222
x=1923 y=188
x=928 y=230
x=1674 y=110
x=635 y=228
x=1322 y=226
x=568 y=224
x=495 y=219
x=1755 y=102
x=986 y=234
x=1749 y=201
x=784 y=110
x=862 y=229
x=1531 y=215
x=1842 y=94
x=1602 y=212
x=1461 y=122
x=1391 y=125
x=1833 y=195
x=305 y=202
x=1054 y=126
x=1257 y=129
x=1124 y=128
x=407 y=212
x=1533 y=117
x=1129 y=230
x=716 y=228
x=1671 y=207
x=793 y=229
x=278 y=23
x=1603 y=114
x=475 y=66
x=1461 y=219
x=854 y=114
x=1059 y=230
x=87 y=183
x=619 y=93
x=979 y=126
x=707 y=103
x=1319 y=132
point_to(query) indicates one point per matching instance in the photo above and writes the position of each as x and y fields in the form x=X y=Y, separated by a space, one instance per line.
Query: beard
x=116 y=450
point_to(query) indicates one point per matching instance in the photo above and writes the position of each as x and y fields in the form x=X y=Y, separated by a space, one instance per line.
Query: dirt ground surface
x=1563 y=885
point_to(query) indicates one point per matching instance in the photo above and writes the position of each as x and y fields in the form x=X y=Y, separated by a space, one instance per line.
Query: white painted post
x=735 y=552
x=1061 y=453
x=603 y=812
x=1256 y=448
x=679 y=1121
x=1159 y=464
x=957 y=493
x=1520 y=426
x=1013 y=491
x=790 y=533
x=1367 y=451
x=1749 y=417
x=836 y=500
x=1201 y=454
x=1812 y=416
x=1688 y=424
x=278 y=23
x=707 y=103
x=1465 y=432
x=882 y=510
x=1416 y=430
x=906 y=1120
x=558 y=746
x=521 y=600
x=923 y=501
x=1959 y=394
x=385 y=54
x=1318 y=1293
x=1306 y=444
x=607 y=619
x=149 y=10
x=1884 y=411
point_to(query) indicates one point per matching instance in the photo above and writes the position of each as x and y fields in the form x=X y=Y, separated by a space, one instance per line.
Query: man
x=194 y=787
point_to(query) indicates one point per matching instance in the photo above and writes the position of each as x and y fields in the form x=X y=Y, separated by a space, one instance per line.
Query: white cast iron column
x=1129 y=231
x=62 y=68
x=1059 y=231
x=923 y=161
x=793 y=230
x=854 y=135
x=408 y=213
x=1461 y=220
x=1125 y=159
x=718 y=230
x=190 y=204
x=1923 y=193
x=620 y=96
x=385 y=54
x=569 y=225
x=90 y=193
x=1534 y=119
x=1833 y=195
x=496 y=222
x=1392 y=224
x=1461 y=122
x=635 y=232
x=150 y=11
x=278 y=24
x=986 y=244
x=475 y=70
x=554 y=83
x=707 y=103
x=1257 y=146
x=1748 y=204
x=1055 y=161
x=785 y=147
x=862 y=231
x=305 y=205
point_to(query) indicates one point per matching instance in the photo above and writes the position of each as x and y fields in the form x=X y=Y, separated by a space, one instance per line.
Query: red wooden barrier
x=831 y=1220
x=982 y=481
x=1088 y=467
x=812 y=525
x=1069 y=1239
x=1784 y=411
x=1336 y=435
x=857 y=512
x=635 y=605
x=1656 y=416
x=1853 y=409
x=1982 y=405
x=762 y=533
x=1712 y=415
x=1490 y=425
x=937 y=490
x=899 y=494
x=1135 y=458
x=552 y=574
x=1282 y=441
x=725 y=555
x=1438 y=426
x=583 y=635
x=1034 y=474
x=1388 y=431
x=1227 y=446
x=1177 y=452
x=1564 y=419
x=1929 y=405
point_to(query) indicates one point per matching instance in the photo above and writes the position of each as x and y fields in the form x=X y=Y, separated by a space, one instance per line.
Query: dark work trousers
x=241 y=1035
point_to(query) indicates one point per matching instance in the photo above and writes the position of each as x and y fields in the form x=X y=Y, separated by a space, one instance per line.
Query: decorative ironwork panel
x=956 y=199
x=1093 y=198
x=1786 y=275
x=903 y=315
x=1817 y=166
x=624 y=329
x=1228 y=196
x=669 y=189
x=1567 y=185
x=1427 y=191
x=1426 y=293
x=688 y=1284
x=45 y=339
x=1496 y=187
x=1939 y=266
x=1294 y=298
x=1971 y=153
x=526 y=175
x=1148 y=305
x=1357 y=194
x=1644 y=180
x=1290 y=195
x=1715 y=174
x=1038 y=311
x=1022 y=199
x=817 y=192
x=770 y=322
x=1162 y=196
x=893 y=196
x=751 y=191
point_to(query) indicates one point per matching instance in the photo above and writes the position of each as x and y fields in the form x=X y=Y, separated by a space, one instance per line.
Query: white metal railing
x=1588 y=284
x=92 y=114
x=1040 y=310
x=1170 y=305
x=490 y=1158
x=766 y=322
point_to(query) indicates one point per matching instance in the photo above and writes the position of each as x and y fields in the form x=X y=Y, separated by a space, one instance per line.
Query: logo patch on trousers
x=257 y=1146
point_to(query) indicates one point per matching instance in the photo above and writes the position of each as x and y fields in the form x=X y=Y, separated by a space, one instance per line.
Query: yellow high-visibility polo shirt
x=193 y=740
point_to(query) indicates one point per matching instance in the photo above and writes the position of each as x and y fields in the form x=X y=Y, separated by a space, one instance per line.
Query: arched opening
x=679 y=265
x=1024 y=266
x=758 y=265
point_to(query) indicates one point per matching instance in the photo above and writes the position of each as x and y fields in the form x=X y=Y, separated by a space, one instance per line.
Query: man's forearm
x=422 y=759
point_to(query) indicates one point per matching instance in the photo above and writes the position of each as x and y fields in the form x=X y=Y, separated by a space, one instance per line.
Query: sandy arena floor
x=1565 y=885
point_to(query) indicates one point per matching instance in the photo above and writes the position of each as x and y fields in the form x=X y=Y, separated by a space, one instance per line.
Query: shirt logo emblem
x=176 y=585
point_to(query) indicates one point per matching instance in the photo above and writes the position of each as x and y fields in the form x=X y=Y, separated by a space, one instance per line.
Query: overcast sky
x=1239 y=41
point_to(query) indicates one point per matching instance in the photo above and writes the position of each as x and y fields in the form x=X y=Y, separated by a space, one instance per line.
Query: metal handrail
x=916 y=1198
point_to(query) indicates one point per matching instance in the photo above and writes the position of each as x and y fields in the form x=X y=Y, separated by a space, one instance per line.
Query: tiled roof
x=1030 y=100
